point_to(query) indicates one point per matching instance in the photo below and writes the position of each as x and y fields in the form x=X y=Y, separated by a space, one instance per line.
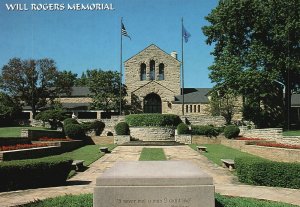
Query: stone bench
x=77 y=164
x=202 y=149
x=229 y=163
x=104 y=149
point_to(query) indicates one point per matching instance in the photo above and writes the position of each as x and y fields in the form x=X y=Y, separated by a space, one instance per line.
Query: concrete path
x=225 y=182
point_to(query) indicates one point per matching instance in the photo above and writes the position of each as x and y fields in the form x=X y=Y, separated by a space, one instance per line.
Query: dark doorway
x=152 y=103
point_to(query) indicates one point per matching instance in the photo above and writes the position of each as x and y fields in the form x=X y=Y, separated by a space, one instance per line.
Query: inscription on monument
x=172 y=202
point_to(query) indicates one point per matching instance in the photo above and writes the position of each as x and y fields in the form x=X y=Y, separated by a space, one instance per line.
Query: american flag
x=186 y=34
x=124 y=32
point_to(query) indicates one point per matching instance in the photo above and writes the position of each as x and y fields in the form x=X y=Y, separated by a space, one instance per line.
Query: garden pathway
x=225 y=182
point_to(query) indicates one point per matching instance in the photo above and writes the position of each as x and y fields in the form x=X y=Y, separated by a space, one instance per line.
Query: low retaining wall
x=36 y=134
x=200 y=139
x=267 y=133
x=184 y=138
x=271 y=153
x=152 y=133
x=6 y=141
x=121 y=139
x=54 y=149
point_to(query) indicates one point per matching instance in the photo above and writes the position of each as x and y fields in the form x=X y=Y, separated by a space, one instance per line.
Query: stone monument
x=154 y=184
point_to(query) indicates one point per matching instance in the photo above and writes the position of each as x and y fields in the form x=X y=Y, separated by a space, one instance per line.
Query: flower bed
x=278 y=145
x=248 y=139
x=54 y=139
x=21 y=146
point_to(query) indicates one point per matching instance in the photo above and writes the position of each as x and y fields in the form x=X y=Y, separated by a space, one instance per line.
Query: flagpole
x=120 y=107
x=182 y=67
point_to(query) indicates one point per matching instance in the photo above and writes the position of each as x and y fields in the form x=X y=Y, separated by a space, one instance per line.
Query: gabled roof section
x=152 y=45
x=194 y=95
x=152 y=82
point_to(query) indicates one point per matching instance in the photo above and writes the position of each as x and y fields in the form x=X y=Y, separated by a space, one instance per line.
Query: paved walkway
x=225 y=182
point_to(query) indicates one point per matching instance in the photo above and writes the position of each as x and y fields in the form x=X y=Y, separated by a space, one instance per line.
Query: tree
x=105 y=89
x=64 y=82
x=30 y=81
x=82 y=81
x=54 y=116
x=9 y=108
x=256 y=45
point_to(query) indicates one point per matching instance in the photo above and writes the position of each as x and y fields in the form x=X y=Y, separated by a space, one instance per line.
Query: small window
x=198 y=108
x=161 y=72
x=143 y=72
x=191 y=108
x=152 y=70
x=195 y=109
x=186 y=108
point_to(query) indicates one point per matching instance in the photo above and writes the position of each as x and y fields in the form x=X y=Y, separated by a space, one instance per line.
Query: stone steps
x=151 y=143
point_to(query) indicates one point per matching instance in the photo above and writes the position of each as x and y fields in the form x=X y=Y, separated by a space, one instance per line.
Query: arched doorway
x=152 y=103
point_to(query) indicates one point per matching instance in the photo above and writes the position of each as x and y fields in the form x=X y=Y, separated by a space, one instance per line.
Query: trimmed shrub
x=231 y=131
x=263 y=172
x=74 y=131
x=70 y=121
x=208 y=130
x=122 y=128
x=152 y=120
x=183 y=129
x=23 y=174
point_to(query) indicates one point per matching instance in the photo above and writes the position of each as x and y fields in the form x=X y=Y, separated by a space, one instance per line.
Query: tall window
x=161 y=72
x=152 y=70
x=143 y=72
x=198 y=108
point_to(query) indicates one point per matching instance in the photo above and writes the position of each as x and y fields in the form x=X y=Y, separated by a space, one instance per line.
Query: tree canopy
x=30 y=81
x=256 y=48
x=8 y=109
x=64 y=82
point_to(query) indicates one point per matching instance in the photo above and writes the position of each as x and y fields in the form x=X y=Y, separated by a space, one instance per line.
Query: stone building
x=153 y=82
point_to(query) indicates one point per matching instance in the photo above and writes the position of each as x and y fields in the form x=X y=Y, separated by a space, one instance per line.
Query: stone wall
x=121 y=139
x=153 y=133
x=267 y=133
x=184 y=138
x=110 y=124
x=203 y=120
x=199 y=139
x=102 y=140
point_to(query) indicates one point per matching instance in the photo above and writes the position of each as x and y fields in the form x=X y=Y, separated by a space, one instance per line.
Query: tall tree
x=9 y=108
x=256 y=45
x=105 y=89
x=30 y=81
x=64 y=82
x=82 y=81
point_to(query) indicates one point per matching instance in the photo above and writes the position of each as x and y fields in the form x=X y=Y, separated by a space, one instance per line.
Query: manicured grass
x=216 y=152
x=149 y=154
x=16 y=131
x=291 y=133
x=88 y=153
x=86 y=200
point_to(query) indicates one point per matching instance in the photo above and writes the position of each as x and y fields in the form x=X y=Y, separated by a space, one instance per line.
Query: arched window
x=143 y=72
x=152 y=70
x=161 y=72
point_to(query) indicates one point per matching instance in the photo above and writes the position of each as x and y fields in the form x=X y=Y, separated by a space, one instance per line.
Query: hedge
x=31 y=173
x=231 y=131
x=74 y=131
x=207 y=130
x=152 y=120
x=122 y=128
x=70 y=121
x=183 y=129
x=97 y=126
x=263 y=172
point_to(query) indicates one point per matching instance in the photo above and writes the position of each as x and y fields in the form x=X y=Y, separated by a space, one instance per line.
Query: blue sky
x=81 y=40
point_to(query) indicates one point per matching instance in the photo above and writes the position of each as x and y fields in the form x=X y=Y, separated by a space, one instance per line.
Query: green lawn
x=291 y=133
x=149 y=154
x=216 y=152
x=16 y=131
x=86 y=200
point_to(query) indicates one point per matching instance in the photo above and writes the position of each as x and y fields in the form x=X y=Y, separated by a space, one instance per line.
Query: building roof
x=193 y=95
x=78 y=91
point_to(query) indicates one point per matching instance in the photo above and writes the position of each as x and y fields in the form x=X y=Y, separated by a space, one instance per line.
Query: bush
x=208 y=130
x=152 y=120
x=268 y=173
x=22 y=174
x=74 y=131
x=122 y=128
x=70 y=121
x=183 y=129
x=231 y=131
